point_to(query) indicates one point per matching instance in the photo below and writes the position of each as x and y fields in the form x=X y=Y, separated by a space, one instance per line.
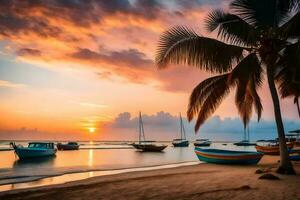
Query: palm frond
x=231 y=28
x=247 y=76
x=181 y=45
x=256 y=99
x=200 y=93
x=291 y=29
x=248 y=67
x=213 y=95
x=262 y=13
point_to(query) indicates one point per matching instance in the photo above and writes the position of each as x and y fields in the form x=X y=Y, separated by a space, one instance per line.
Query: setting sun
x=92 y=129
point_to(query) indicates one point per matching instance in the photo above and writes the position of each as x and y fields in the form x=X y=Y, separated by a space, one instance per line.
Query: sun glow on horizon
x=92 y=129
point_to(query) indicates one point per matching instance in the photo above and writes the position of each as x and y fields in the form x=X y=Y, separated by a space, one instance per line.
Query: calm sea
x=103 y=157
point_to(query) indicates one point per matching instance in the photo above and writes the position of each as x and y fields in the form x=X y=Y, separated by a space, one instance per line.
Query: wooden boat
x=202 y=143
x=295 y=157
x=272 y=149
x=294 y=136
x=144 y=145
x=35 y=150
x=68 y=146
x=219 y=156
x=182 y=142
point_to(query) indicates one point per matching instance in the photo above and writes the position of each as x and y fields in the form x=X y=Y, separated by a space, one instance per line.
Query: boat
x=182 y=142
x=219 y=156
x=68 y=146
x=35 y=150
x=244 y=143
x=246 y=140
x=145 y=145
x=295 y=157
x=202 y=143
x=294 y=136
x=272 y=149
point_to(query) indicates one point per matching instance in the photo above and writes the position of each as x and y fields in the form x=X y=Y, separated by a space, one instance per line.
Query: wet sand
x=204 y=181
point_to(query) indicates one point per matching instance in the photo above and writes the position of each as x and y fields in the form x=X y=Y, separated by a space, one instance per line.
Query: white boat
x=35 y=150
x=181 y=142
x=143 y=144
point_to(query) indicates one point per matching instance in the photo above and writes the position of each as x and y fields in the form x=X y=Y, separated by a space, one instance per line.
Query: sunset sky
x=80 y=67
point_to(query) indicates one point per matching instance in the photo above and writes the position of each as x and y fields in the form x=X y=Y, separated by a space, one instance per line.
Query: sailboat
x=143 y=144
x=182 y=142
x=246 y=140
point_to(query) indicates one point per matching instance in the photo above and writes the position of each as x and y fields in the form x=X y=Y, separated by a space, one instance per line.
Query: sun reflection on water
x=91 y=157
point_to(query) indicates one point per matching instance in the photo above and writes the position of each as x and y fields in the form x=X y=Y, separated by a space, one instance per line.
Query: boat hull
x=227 y=157
x=204 y=144
x=271 y=150
x=184 y=143
x=295 y=157
x=149 y=147
x=66 y=147
x=26 y=153
x=244 y=144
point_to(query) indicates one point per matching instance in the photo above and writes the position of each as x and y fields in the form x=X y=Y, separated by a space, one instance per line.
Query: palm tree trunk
x=298 y=107
x=286 y=166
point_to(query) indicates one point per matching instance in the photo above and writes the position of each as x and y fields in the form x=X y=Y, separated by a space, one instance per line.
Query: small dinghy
x=182 y=142
x=202 y=143
x=68 y=146
x=244 y=143
x=35 y=150
x=144 y=145
x=272 y=149
x=219 y=156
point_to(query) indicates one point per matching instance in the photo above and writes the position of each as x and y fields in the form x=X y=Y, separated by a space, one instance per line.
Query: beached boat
x=182 y=142
x=295 y=157
x=35 y=150
x=272 y=149
x=68 y=146
x=202 y=143
x=294 y=136
x=219 y=156
x=143 y=144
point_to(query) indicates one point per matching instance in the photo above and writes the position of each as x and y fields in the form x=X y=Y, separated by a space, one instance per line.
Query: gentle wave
x=23 y=182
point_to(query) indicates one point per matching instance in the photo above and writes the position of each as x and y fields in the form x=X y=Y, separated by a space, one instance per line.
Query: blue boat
x=219 y=156
x=35 y=150
x=182 y=142
x=295 y=157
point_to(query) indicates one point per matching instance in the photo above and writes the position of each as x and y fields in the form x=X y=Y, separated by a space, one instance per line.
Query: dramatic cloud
x=127 y=32
x=215 y=127
x=29 y=52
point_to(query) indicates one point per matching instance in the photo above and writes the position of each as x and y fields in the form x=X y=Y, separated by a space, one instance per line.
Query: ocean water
x=93 y=158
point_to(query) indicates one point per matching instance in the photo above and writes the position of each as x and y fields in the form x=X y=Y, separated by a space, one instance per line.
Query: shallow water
x=91 y=157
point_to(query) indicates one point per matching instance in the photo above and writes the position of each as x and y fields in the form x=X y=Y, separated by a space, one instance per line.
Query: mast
x=182 y=131
x=248 y=133
x=141 y=129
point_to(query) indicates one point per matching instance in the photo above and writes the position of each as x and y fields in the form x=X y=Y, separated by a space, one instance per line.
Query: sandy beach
x=203 y=181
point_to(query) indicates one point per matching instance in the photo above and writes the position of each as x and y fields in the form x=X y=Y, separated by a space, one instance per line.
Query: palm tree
x=255 y=37
x=290 y=87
